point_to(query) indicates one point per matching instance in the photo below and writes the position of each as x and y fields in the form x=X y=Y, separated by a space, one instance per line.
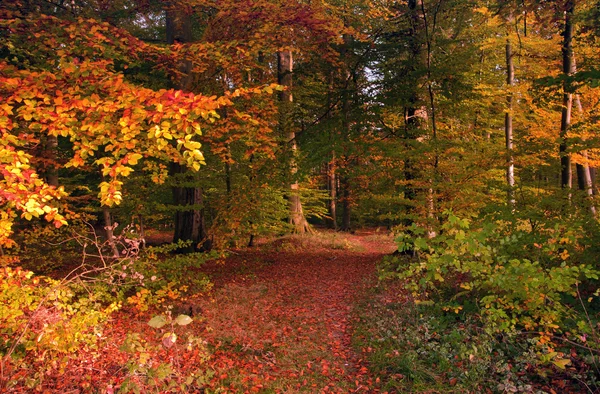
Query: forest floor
x=297 y=314
x=279 y=319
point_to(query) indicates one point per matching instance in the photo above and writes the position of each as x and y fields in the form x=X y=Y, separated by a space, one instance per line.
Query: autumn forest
x=302 y=196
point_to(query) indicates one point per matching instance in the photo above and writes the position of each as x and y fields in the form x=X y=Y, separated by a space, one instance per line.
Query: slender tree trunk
x=189 y=217
x=566 y=177
x=429 y=32
x=285 y=69
x=346 y=206
x=109 y=229
x=411 y=125
x=508 y=125
x=331 y=186
x=331 y=221
x=142 y=230
x=584 y=175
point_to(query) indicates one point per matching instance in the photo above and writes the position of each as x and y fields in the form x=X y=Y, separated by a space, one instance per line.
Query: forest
x=301 y=196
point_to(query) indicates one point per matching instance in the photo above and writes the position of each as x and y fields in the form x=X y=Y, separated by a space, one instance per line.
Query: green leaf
x=183 y=320
x=157 y=321
x=561 y=363
x=420 y=243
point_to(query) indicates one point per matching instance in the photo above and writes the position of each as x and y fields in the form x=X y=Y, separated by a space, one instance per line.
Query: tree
x=80 y=94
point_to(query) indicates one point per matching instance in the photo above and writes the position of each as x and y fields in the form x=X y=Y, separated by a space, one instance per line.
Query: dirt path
x=281 y=321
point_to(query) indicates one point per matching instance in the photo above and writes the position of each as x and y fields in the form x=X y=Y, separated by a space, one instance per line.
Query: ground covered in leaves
x=295 y=315
x=278 y=319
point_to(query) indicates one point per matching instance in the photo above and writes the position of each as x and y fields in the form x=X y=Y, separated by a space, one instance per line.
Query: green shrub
x=465 y=263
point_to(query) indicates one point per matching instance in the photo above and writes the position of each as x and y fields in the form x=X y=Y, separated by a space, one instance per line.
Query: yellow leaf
x=561 y=363
x=133 y=159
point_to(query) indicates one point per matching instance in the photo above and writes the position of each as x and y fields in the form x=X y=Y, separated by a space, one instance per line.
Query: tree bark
x=348 y=159
x=190 y=223
x=508 y=124
x=346 y=206
x=285 y=68
x=109 y=230
x=332 y=188
x=566 y=177
x=429 y=32
x=584 y=175
x=412 y=118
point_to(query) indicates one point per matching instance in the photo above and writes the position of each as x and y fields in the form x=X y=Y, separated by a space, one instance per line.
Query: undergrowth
x=497 y=305
x=50 y=328
x=415 y=348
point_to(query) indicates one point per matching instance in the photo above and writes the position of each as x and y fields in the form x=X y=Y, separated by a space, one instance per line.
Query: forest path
x=280 y=320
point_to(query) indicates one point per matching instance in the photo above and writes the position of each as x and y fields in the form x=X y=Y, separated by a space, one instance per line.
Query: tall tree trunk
x=189 y=217
x=331 y=221
x=190 y=224
x=412 y=119
x=346 y=206
x=584 y=175
x=508 y=124
x=429 y=32
x=411 y=125
x=349 y=160
x=566 y=178
x=285 y=68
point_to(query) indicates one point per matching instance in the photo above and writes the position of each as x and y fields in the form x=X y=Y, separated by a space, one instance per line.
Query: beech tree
x=79 y=93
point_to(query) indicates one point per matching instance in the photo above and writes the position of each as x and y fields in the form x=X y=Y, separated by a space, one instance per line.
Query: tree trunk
x=348 y=160
x=331 y=221
x=508 y=125
x=109 y=230
x=412 y=119
x=285 y=67
x=584 y=175
x=429 y=32
x=566 y=178
x=331 y=182
x=346 y=207
x=189 y=217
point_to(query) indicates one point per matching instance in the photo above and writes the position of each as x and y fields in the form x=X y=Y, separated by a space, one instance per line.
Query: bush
x=465 y=263
x=47 y=325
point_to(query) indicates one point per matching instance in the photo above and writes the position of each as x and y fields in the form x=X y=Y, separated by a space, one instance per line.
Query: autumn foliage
x=467 y=131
